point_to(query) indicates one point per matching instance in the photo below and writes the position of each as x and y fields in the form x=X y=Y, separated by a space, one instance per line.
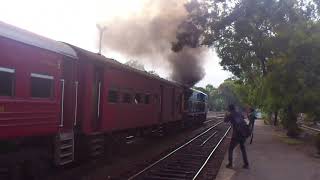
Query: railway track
x=188 y=160
x=97 y=169
x=210 y=119
x=217 y=115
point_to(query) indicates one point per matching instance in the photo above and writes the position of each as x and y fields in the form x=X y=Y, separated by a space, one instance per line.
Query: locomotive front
x=196 y=106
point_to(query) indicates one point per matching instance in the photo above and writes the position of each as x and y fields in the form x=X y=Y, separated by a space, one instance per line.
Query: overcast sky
x=74 y=22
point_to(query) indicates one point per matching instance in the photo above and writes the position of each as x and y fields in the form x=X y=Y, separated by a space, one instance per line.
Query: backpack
x=243 y=130
x=241 y=127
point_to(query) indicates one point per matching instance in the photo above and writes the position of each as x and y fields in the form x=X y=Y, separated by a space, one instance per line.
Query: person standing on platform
x=252 y=117
x=237 y=121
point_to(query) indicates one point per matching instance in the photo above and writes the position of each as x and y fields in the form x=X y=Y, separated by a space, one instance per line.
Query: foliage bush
x=267 y=119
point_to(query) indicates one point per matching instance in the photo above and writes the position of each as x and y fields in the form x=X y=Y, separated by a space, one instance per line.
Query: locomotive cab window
x=201 y=97
x=41 y=86
x=113 y=96
x=6 y=81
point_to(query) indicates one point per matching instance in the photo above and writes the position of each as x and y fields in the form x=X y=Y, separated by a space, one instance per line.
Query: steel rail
x=209 y=120
x=171 y=153
x=214 y=149
x=212 y=118
x=212 y=135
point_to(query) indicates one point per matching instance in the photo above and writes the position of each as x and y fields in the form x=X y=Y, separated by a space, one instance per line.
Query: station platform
x=273 y=156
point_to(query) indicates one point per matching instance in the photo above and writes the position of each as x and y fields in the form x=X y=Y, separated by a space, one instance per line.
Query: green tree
x=271 y=46
x=233 y=92
x=210 y=88
x=244 y=32
x=293 y=81
x=215 y=100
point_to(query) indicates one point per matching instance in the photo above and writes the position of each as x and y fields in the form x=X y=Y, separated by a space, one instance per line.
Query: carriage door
x=173 y=103
x=161 y=103
x=97 y=97
x=67 y=94
x=64 y=141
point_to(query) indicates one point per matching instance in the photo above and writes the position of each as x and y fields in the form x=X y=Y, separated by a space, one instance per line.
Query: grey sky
x=75 y=22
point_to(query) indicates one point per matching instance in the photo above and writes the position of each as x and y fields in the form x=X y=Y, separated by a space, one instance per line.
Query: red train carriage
x=57 y=99
x=31 y=69
x=37 y=97
x=117 y=98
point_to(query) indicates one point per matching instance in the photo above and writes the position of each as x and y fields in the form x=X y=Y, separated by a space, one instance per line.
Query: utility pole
x=101 y=31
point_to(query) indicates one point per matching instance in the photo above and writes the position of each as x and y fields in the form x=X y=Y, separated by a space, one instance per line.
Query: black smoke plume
x=149 y=37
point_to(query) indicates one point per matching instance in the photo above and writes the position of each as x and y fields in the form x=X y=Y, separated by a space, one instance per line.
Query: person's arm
x=251 y=115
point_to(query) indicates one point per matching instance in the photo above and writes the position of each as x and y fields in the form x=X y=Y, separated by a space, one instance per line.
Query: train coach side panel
x=85 y=113
x=178 y=103
x=166 y=102
x=24 y=110
x=129 y=101
x=115 y=113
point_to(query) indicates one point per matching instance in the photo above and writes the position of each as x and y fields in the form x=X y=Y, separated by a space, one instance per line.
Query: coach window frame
x=147 y=98
x=42 y=76
x=126 y=92
x=141 y=98
x=118 y=96
x=155 y=98
x=11 y=72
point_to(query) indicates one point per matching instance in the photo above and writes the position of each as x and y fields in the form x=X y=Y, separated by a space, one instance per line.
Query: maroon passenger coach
x=58 y=101
x=117 y=97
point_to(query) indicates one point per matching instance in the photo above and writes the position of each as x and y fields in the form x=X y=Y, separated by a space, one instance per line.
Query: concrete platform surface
x=272 y=156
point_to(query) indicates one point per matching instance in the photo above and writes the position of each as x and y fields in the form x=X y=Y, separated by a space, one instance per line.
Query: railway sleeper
x=174 y=167
x=169 y=175
x=4 y=172
x=198 y=155
x=31 y=164
x=183 y=167
x=187 y=162
x=177 y=171
x=154 y=177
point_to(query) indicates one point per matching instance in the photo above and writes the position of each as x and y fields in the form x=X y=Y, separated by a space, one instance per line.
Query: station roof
x=26 y=37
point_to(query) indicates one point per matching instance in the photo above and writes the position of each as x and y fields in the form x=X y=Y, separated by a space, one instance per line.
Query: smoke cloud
x=147 y=36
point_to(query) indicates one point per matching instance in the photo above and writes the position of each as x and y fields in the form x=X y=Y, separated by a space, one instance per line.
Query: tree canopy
x=230 y=91
x=271 y=46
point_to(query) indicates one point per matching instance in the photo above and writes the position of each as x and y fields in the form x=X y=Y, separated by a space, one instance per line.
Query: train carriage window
x=126 y=98
x=147 y=99
x=41 y=86
x=137 y=98
x=113 y=96
x=6 y=81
